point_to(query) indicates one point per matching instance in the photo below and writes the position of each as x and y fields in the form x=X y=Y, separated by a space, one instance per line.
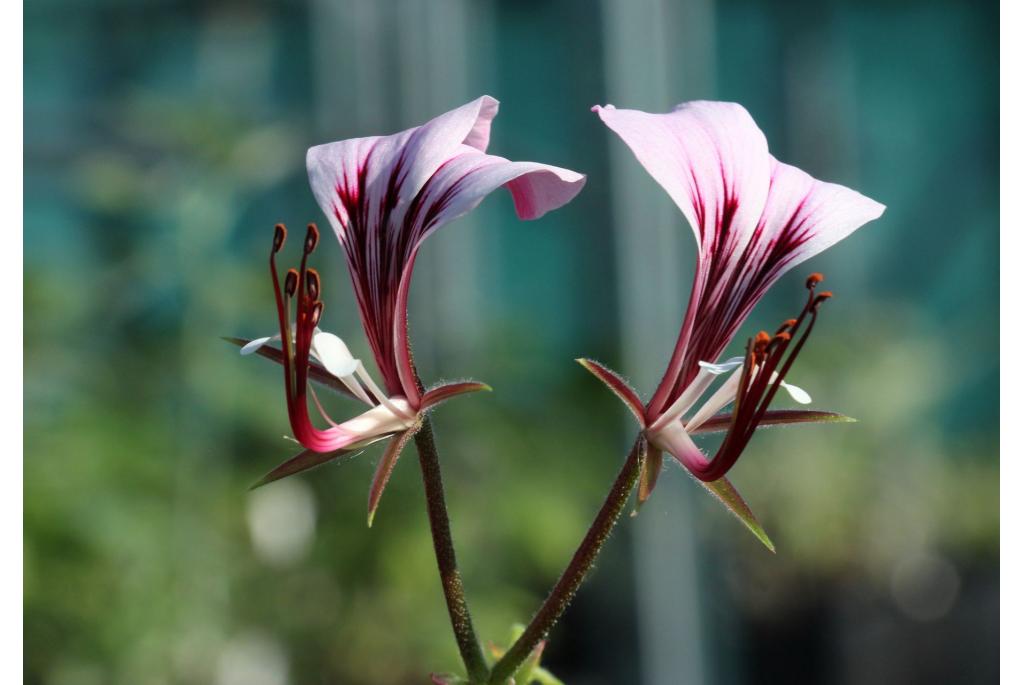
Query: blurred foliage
x=164 y=139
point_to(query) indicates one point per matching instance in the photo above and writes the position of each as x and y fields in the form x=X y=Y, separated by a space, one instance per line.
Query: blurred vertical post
x=434 y=77
x=657 y=53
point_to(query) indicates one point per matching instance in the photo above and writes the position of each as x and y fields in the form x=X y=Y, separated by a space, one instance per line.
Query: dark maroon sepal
x=303 y=461
x=775 y=417
x=617 y=385
x=446 y=391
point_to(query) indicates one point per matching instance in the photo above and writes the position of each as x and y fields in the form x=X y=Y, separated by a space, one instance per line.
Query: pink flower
x=754 y=219
x=383 y=196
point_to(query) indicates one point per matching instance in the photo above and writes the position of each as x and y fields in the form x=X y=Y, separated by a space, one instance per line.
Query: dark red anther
x=822 y=297
x=814 y=279
x=312 y=238
x=280 y=233
x=314 y=316
x=291 y=282
x=313 y=284
x=781 y=337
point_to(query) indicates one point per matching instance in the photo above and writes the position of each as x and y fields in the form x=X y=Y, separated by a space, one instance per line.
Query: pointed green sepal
x=530 y=672
x=725 y=493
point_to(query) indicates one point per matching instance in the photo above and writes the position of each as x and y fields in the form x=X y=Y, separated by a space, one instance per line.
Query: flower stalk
x=575 y=573
x=451 y=579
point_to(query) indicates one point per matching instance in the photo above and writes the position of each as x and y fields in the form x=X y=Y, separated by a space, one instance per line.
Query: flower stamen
x=765 y=367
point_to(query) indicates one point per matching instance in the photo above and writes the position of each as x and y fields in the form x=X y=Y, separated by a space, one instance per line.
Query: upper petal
x=367 y=179
x=804 y=216
x=754 y=218
x=466 y=179
x=710 y=157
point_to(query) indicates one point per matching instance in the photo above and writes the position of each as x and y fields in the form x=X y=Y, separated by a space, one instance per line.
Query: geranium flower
x=754 y=219
x=383 y=196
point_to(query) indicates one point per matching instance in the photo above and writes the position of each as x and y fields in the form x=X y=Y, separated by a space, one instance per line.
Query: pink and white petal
x=338 y=170
x=466 y=179
x=391 y=170
x=710 y=157
x=441 y=138
x=804 y=216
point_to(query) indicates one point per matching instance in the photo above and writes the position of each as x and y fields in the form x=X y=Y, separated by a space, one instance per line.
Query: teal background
x=164 y=138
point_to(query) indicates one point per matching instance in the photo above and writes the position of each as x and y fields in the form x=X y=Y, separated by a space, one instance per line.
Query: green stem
x=565 y=589
x=451 y=580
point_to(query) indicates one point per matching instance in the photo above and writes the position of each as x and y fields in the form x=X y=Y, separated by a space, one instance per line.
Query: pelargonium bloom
x=754 y=219
x=383 y=196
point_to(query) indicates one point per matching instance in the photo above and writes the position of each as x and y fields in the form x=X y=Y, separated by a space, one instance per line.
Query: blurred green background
x=163 y=140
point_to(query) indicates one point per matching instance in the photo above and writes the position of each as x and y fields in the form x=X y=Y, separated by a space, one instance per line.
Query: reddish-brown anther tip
x=787 y=324
x=814 y=279
x=822 y=297
x=313 y=284
x=314 y=316
x=280 y=233
x=761 y=339
x=312 y=238
x=291 y=282
x=781 y=337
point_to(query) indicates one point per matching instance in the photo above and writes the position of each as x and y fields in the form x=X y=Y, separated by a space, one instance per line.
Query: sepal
x=725 y=493
x=303 y=461
x=530 y=672
x=617 y=385
x=775 y=417
x=384 y=468
x=446 y=391
x=653 y=458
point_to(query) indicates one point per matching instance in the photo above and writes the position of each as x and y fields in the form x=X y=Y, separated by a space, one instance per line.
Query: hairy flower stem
x=451 y=580
x=565 y=589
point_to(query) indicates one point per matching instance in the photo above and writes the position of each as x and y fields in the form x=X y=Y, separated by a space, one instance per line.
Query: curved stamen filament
x=320 y=407
x=297 y=341
x=764 y=370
